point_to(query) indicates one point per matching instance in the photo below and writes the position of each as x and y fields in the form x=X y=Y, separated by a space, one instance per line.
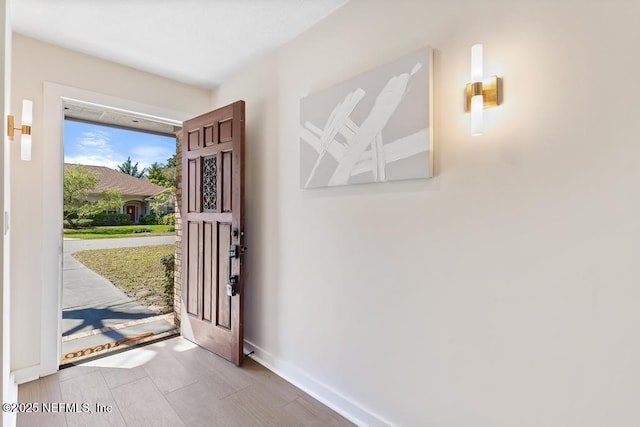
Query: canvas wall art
x=375 y=127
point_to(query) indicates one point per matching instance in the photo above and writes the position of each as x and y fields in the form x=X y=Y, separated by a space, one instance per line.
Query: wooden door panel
x=193 y=185
x=227 y=182
x=210 y=136
x=223 y=305
x=210 y=270
x=194 y=267
x=193 y=139
x=225 y=130
x=216 y=305
x=213 y=168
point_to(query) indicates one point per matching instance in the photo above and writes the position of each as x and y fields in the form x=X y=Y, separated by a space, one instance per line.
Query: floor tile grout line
x=113 y=398
x=60 y=380
x=57 y=378
x=155 y=386
x=173 y=408
x=146 y=374
x=164 y=397
x=62 y=398
x=280 y=406
x=235 y=392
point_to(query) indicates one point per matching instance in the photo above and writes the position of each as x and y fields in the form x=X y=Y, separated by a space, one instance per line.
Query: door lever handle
x=232 y=282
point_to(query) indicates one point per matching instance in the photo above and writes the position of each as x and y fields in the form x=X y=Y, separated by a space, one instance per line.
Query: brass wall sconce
x=25 y=129
x=481 y=93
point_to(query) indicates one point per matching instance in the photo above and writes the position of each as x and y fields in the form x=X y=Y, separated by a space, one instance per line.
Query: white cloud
x=94 y=140
x=95 y=148
x=151 y=151
x=92 y=161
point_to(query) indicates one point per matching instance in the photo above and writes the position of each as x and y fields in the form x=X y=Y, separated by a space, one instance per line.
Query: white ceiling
x=199 y=42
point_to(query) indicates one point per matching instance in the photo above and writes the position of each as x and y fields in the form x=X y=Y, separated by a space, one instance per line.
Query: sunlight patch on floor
x=126 y=360
x=184 y=345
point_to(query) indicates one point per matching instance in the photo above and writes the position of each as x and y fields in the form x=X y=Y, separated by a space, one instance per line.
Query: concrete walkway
x=94 y=311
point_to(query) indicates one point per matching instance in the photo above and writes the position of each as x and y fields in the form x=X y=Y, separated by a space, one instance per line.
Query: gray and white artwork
x=375 y=127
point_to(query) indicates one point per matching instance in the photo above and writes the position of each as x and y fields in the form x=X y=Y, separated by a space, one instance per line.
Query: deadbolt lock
x=232 y=286
x=233 y=251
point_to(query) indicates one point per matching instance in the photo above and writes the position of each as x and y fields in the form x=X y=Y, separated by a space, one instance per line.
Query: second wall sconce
x=481 y=93
x=25 y=129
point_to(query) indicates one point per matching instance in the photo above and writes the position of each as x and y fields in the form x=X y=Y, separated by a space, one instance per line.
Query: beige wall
x=34 y=63
x=502 y=292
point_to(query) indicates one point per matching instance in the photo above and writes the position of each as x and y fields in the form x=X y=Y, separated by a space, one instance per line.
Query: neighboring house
x=137 y=193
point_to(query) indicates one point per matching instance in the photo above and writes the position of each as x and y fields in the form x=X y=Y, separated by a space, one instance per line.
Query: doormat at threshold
x=92 y=351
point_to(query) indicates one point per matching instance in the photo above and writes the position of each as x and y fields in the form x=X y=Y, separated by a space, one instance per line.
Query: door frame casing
x=52 y=237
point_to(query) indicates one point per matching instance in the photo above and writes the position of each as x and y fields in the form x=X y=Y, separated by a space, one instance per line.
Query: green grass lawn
x=136 y=271
x=119 y=231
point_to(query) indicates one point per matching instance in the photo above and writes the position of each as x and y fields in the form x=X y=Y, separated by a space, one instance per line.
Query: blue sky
x=90 y=144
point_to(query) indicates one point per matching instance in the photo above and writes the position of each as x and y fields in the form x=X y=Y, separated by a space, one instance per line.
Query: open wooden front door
x=212 y=230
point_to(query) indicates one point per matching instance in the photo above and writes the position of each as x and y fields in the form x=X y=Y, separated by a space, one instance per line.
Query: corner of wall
x=9 y=418
x=213 y=97
x=341 y=404
x=9 y=386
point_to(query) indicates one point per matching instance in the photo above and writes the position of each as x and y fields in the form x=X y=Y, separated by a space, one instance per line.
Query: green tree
x=130 y=169
x=78 y=184
x=161 y=175
x=171 y=162
x=164 y=176
x=110 y=200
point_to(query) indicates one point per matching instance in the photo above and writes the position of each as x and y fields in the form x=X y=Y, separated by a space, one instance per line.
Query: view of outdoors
x=119 y=204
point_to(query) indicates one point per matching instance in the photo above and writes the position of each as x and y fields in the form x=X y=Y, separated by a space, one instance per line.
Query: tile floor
x=172 y=383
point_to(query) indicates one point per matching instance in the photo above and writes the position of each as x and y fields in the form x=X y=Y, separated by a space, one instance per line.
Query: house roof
x=111 y=179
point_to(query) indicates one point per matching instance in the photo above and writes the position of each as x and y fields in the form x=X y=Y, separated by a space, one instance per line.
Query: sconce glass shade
x=25 y=147
x=27 y=112
x=27 y=121
x=476 y=63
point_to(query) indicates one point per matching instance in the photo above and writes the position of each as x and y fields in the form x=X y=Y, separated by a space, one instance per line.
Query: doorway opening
x=119 y=230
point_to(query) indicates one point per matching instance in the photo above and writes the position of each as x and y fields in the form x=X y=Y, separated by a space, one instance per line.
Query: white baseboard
x=25 y=375
x=329 y=397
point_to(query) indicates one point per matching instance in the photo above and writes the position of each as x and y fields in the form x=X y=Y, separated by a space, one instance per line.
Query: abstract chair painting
x=375 y=127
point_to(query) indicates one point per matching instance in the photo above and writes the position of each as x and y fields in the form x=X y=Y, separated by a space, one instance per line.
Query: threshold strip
x=78 y=357
x=104 y=347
